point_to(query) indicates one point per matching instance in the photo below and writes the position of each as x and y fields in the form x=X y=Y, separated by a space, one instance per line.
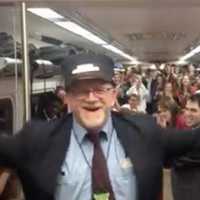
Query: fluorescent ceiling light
x=181 y=62
x=118 y=51
x=191 y=53
x=75 y=28
x=46 y=13
x=43 y=62
x=133 y=62
x=113 y=49
x=129 y=57
x=5 y=61
x=51 y=15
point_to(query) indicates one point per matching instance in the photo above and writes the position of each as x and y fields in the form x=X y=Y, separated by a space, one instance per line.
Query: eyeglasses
x=97 y=91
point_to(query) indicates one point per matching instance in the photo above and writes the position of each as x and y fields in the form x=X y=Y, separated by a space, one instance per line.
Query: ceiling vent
x=170 y=36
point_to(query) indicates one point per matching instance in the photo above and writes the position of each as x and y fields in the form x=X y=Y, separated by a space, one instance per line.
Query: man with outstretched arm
x=93 y=153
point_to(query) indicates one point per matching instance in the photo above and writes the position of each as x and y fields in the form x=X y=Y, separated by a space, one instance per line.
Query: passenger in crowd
x=130 y=73
x=185 y=69
x=93 y=153
x=197 y=85
x=137 y=87
x=170 y=114
x=121 y=86
x=194 y=83
x=49 y=107
x=167 y=116
x=158 y=93
x=61 y=94
x=191 y=70
x=169 y=91
x=53 y=110
x=159 y=86
x=151 y=86
x=186 y=170
x=168 y=111
x=170 y=73
x=184 y=91
x=133 y=104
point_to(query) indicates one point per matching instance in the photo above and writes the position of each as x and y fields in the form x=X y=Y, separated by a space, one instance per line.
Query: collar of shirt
x=196 y=126
x=81 y=132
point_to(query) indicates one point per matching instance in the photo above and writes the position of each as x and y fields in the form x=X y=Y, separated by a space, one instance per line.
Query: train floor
x=167 y=191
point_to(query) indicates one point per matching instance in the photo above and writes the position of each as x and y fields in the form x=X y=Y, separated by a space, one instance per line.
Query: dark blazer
x=38 y=152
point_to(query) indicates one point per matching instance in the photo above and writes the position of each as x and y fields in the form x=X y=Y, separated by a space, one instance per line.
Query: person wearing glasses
x=93 y=153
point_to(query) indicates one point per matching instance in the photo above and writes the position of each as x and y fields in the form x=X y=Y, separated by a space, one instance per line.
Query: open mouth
x=92 y=109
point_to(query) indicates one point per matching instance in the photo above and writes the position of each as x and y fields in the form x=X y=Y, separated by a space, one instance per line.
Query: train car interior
x=133 y=33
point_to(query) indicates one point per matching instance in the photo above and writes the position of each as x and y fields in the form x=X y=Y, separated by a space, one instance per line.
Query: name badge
x=126 y=163
x=101 y=196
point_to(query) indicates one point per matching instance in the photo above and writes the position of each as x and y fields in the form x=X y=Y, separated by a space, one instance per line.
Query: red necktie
x=100 y=177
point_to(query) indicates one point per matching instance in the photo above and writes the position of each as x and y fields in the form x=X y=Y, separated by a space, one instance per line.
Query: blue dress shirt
x=74 y=180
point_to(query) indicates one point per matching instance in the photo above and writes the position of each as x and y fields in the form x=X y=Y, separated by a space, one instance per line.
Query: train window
x=10 y=67
x=6 y=116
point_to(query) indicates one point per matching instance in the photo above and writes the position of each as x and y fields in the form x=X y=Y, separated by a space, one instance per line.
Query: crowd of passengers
x=157 y=91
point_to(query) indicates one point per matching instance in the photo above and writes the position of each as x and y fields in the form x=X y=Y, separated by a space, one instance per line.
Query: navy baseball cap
x=87 y=66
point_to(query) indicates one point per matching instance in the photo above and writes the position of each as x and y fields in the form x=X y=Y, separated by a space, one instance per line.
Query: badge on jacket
x=126 y=163
x=101 y=196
